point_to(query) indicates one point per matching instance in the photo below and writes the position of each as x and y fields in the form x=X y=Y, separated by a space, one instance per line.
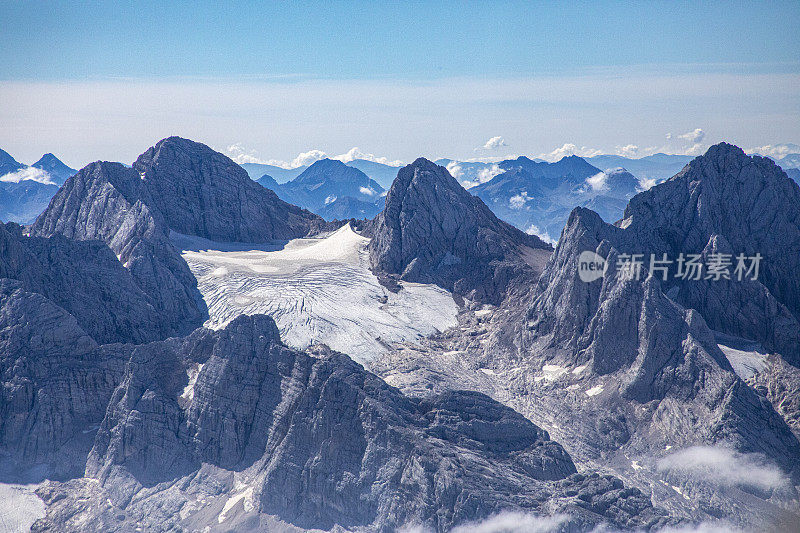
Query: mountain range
x=26 y=190
x=537 y=197
x=623 y=402
x=331 y=189
x=625 y=370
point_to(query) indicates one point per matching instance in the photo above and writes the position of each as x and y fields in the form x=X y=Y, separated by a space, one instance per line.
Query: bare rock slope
x=432 y=230
x=177 y=185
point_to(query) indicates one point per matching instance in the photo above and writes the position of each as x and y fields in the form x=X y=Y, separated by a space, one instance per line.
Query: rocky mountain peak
x=55 y=167
x=433 y=230
x=8 y=163
x=202 y=192
x=748 y=200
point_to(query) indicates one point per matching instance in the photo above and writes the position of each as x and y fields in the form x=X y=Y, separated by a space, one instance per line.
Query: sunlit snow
x=316 y=290
x=19 y=507
x=746 y=357
x=594 y=391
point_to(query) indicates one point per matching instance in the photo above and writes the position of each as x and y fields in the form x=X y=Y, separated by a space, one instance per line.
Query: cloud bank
x=724 y=467
x=775 y=151
x=242 y=155
x=28 y=173
x=494 y=143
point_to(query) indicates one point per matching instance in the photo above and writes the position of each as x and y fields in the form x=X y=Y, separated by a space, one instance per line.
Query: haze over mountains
x=331 y=189
x=477 y=373
x=26 y=190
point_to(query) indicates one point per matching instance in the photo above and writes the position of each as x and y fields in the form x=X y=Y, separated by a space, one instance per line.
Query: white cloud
x=354 y=153
x=629 y=150
x=454 y=169
x=241 y=155
x=776 y=151
x=598 y=182
x=534 y=230
x=472 y=175
x=513 y=522
x=724 y=467
x=369 y=191
x=306 y=158
x=330 y=199
x=647 y=183
x=518 y=200
x=28 y=173
x=569 y=149
x=494 y=143
x=689 y=143
x=488 y=173
x=695 y=136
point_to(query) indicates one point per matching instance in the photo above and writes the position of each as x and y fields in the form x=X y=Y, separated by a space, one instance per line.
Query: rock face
x=201 y=192
x=432 y=230
x=728 y=202
x=312 y=439
x=659 y=349
x=181 y=186
x=110 y=203
x=623 y=373
x=85 y=279
x=56 y=382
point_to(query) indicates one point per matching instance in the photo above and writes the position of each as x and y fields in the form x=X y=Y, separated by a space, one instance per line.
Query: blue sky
x=396 y=79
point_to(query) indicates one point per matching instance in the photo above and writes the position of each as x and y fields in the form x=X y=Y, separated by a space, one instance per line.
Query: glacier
x=318 y=290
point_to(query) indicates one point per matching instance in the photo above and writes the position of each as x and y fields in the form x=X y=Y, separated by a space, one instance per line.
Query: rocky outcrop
x=56 y=382
x=316 y=441
x=110 y=203
x=658 y=352
x=85 y=279
x=201 y=192
x=432 y=230
x=178 y=185
x=742 y=205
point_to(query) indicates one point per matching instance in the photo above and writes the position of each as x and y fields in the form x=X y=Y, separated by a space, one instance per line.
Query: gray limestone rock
x=432 y=230
x=750 y=203
x=315 y=440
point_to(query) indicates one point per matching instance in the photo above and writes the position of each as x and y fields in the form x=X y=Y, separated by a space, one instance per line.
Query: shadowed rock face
x=317 y=440
x=110 y=203
x=56 y=382
x=434 y=231
x=729 y=202
x=202 y=192
x=87 y=280
x=655 y=349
